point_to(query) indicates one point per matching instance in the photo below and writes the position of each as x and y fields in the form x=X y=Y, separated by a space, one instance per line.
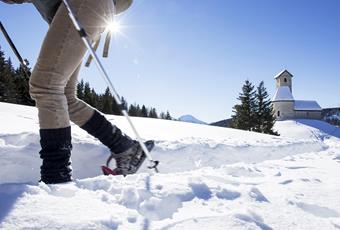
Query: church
x=284 y=104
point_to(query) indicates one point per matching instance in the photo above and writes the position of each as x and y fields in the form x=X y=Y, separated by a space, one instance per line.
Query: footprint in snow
x=308 y=180
x=200 y=190
x=156 y=208
x=278 y=174
x=317 y=210
x=253 y=218
x=286 y=182
x=336 y=225
x=228 y=194
x=298 y=167
x=257 y=195
x=337 y=158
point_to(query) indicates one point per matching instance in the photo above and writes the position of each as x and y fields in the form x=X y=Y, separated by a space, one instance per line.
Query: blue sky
x=192 y=57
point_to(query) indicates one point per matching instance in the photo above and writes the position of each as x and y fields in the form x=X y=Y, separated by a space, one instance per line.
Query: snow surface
x=283 y=93
x=211 y=178
x=307 y=105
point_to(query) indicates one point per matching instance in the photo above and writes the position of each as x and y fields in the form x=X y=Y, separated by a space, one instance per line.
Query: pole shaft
x=10 y=42
x=14 y=49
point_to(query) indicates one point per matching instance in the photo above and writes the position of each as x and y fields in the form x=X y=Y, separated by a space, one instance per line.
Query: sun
x=114 y=27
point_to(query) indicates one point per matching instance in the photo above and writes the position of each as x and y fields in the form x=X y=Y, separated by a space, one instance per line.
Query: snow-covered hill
x=190 y=119
x=211 y=178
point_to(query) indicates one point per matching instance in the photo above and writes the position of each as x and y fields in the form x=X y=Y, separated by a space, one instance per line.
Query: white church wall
x=308 y=115
x=284 y=110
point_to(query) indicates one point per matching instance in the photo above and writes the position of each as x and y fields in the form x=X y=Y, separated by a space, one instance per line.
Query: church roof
x=283 y=94
x=282 y=72
x=307 y=105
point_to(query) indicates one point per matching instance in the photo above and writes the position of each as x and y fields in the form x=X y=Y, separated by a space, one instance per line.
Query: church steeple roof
x=281 y=73
x=283 y=93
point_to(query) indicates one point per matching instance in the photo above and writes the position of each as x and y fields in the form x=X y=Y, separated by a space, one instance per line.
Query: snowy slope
x=211 y=178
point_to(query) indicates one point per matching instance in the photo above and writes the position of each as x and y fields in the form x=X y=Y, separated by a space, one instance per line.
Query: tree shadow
x=325 y=127
x=9 y=194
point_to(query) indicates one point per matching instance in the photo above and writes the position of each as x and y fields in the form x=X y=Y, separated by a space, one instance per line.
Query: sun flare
x=114 y=27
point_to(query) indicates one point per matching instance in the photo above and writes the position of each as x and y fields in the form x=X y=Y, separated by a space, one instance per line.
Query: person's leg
x=92 y=120
x=61 y=53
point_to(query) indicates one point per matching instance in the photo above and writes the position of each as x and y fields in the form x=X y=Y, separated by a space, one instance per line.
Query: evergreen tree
x=88 y=94
x=144 y=111
x=2 y=75
x=124 y=104
x=162 y=115
x=244 y=117
x=261 y=104
x=153 y=113
x=95 y=100
x=265 y=119
x=107 y=102
x=133 y=110
x=115 y=107
x=138 y=111
x=21 y=80
x=80 y=90
x=168 y=116
x=9 y=92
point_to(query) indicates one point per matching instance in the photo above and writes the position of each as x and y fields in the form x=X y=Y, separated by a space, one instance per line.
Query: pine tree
x=138 y=111
x=265 y=119
x=133 y=110
x=144 y=111
x=88 y=94
x=2 y=75
x=21 y=80
x=115 y=107
x=80 y=90
x=244 y=117
x=124 y=104
x=95 y=98
x=162 y=115
x=107 y=102
x=9 y=92
x=153 y=113
x=168 y=116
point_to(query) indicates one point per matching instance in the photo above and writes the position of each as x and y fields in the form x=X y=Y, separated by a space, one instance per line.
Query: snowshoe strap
x=109 y=159
x=95 y=47
x=107 y=44
x=107 y=171
x=154 y=166
x=105 y=49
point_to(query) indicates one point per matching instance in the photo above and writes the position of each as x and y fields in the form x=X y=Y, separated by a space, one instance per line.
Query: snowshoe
x=129 y=161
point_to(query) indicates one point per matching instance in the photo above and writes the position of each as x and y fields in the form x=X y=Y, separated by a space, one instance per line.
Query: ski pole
x=87 y=42
x=14 y=49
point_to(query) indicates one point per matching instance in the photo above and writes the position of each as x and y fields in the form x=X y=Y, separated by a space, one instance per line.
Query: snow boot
x=129 y=161
x=128 y=154
x=56 y=152
x=108 y=134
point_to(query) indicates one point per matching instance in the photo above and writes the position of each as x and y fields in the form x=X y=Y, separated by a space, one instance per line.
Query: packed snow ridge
x=211 y=178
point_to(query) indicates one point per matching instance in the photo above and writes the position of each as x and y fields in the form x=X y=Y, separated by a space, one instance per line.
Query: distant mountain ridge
x=224 y=123
x=191 y=119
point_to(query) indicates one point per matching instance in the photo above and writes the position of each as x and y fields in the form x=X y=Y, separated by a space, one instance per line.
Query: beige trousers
x=53 y=81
